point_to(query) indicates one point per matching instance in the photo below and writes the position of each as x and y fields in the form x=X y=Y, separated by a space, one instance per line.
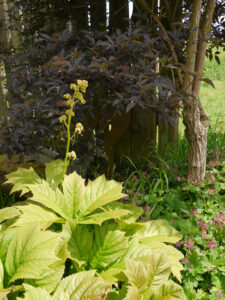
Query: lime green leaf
x=80 y=243
x=30 y=253
x=5 y=239
x=8 y=213
x=21 y=179
x=108 y=246
x=158 y=230
x=133 y=293
x=73 y=189
x=130 y=228
x=12 y=289
x=1 y=275
x=33 y=293
x=158 y=269
x=169 y=291
x=173 y=255
x=49 y=279
x=53 y=172
x=35 y=214
x=101 y=217
x=135 y=211
x=53 y=199
x=83 y=286
x=98 y=193
x=134 y=251
x=137 y=274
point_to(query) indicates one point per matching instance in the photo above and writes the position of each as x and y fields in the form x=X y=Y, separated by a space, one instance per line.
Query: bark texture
x=193 y=114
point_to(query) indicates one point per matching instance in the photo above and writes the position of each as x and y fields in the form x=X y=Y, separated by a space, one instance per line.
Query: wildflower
x=193 y=212
x=63 y=118
x=67 y=96
x=144 y=174
x=203 y=233
x=189 y=177
x=165 y=168
x=74 y=87
x=178 y=179
x=80 y=97
x=218 y=293
x=139 y=194
x=177 y=245
x=72 y=155
x=199 y=224
x=212 y=267
x=186 y=261
x=70 y=113
x=126 y=197
x=211 y=244
x=79 y=128
x=69 y=102
x=148 y=208
x=83 y=85
x=211 y=191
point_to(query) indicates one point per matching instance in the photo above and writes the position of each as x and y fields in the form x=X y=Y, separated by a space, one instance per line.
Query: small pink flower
x=144 y=174
x=186 y=261
x=203 y=233
x=193 y=212
x=199 y=224
x=165 y=168
x=206 y=226
x=211 y=191
x=148 y=208
x=189 y=269
x=219 y=294
x=139 y=194
x=177 y=244
x=126 y=197
x=178 y=179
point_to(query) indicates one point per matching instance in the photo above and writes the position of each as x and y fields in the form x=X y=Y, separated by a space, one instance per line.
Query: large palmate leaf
x=49 y=279
x=169 y=291
x=135 y=211
x=83 y=286
x=8 y=213
x=51 y=198
x=147 y=274
x=99 y=218
x=80 y=243
x=30 y=253
x=109 y=244
x=98 y=193
x=172 y=253
x=73 y=189
x=53 y=172
x=34 y=215
x=158 y=231
x=133 y=293
x=21 y=179
x=35 y=293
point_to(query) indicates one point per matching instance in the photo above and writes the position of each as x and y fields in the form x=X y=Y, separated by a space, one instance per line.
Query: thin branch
x=168 y=40
x=192 y=45
x=202 y=44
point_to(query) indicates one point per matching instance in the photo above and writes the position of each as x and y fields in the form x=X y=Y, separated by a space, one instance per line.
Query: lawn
x=213 y=99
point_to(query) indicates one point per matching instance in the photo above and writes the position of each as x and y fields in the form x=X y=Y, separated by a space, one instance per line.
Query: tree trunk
x=193 y=112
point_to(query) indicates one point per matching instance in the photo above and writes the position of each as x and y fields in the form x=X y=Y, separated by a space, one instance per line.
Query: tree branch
x=202 y=44
x=192 y=45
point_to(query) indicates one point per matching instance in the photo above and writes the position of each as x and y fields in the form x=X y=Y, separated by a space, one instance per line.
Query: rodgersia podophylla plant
x=78 y=90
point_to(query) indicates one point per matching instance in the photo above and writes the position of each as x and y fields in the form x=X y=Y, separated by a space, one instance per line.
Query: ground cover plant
x=197 y=210
x=74 y=240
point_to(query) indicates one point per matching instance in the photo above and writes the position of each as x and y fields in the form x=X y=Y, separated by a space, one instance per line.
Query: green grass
x=213 y=100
